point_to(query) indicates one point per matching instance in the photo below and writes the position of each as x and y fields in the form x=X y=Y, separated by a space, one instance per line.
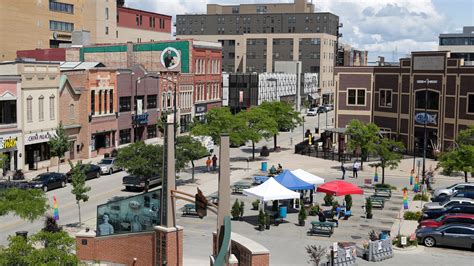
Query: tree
x=59 y=250
x=78 y=181
x=140 y=159
x=59 y=144
x=190 y=150
x=284 y=115
x=462 y=157
x=389 y=153
x=362 y=138
x=259 y=124
x=219 y=121
x=28 y=204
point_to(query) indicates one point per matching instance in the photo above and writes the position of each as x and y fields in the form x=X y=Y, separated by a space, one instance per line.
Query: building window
x=137 y=20
x=385 y=98
x=125 y=136
x=51 y=107
x=141 y=20
x=105 y=102
x=41 y=108
x=106 y=30
x=235 y=10
x=116 y=34
x=100 y=102
x=261 y=9
x=7 y=112
x=72 y=112
x=151 y=101
x=61 y=26
x=470 y=103
x=29 y=109
x=433 y=100
x=106 y=13
x=125 y=104
x=92 y=102
x=168 y=100
x=151 y=131
x=355 y=96
x=61 y=7
x=111 y=101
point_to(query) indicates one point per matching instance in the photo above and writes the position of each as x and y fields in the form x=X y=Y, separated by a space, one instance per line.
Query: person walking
x=355 y=169
x=343 y=169
x=208 y=163
x=214 y=162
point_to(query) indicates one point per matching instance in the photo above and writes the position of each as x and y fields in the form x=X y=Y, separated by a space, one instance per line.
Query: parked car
x=93 y=171
x=107 y=166
x=447 y=203
x=312 y=112
x=132 y=182
x=451 y=235
x=322 y=110
x=329 y=107
x=449 y=218
x=457 y=208
x=451 y=189
x=48 y=181
x=456 y=194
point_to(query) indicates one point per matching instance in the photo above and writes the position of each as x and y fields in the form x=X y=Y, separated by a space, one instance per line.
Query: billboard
x=129 y=215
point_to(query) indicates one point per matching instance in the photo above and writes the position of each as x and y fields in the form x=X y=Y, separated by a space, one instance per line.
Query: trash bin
x=264 y=166
x=282 y=212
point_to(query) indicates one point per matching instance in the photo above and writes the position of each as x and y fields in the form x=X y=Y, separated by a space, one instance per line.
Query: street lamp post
x=276 y=86
x=424 y=131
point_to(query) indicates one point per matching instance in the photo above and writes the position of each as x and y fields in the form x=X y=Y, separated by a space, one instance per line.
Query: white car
x=312 y=112
x=451 y=189
x=329 y=107
x=447 y=203
x=107 y=166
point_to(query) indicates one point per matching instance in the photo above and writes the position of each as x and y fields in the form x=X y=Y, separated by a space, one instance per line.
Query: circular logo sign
x=170 y=58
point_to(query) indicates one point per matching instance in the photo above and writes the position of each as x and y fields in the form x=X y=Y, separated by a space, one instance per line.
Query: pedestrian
x=355 y=169
x=208 y=163
x=343 y=169
x=214 y=162
x=321 y=216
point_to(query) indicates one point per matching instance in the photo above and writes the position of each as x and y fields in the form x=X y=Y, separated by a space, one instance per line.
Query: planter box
x=380 y=250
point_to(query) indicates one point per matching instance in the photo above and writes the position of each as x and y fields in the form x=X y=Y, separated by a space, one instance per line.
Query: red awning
x=339 y=188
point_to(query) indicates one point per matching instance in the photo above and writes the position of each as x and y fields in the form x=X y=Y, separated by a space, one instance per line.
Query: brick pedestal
x=169 y=245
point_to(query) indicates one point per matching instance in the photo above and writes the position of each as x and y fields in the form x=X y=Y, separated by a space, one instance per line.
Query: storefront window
x=151 y=131
x=125 y=136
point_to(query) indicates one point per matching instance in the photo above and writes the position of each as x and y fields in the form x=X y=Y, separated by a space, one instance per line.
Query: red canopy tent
x=339 y=188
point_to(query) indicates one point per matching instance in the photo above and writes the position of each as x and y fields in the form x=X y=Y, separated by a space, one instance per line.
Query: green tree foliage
x=362 y=138
x=78 y=182
x=219 y=121
x=59 y=250
x=284 y=115
x=389 y=153
x=140 y=159
x=3 y=160
x=462 y=157
x=59 y=144
x=28 y=204
x=259 y=124
x=190 y=150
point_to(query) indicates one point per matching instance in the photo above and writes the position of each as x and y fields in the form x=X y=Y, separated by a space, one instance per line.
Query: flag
x=405 y=199
x=55 y=207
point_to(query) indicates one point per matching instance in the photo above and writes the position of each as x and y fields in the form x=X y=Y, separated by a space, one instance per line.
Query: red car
x=448 y=218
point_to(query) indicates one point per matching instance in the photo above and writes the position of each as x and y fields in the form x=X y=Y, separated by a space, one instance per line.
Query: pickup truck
x=132 y=182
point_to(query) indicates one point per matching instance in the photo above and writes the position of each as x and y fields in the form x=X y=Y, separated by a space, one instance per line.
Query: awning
x=290 y=181
x=271 y=190
x=340 y=188
x=308 y=177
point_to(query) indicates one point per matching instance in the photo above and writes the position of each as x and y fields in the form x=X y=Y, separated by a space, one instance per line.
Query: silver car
x=447 y=203
x=453 y=235
x=450 y=190
x=107 y=166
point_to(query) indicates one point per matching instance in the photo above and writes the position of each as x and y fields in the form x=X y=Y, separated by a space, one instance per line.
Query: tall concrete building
x=461 y=45
x=43 y=24
x=349 y=56
x=253 y=36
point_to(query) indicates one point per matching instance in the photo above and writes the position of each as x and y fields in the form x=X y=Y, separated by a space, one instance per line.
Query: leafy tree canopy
x=460 y=159
x=362 y=136
x=140 y=159
x=283 y=114
x=466 y=137
x=59 y=144
x=28 y=204
x=259 y=124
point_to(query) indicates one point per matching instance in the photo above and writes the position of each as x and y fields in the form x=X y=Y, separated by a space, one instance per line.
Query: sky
x=389 y=28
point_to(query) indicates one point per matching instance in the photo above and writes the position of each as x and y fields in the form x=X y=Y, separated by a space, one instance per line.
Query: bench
x=257 y=180
x=189 y=209
x=377 y=201
x=322 y=228
x=383 y=192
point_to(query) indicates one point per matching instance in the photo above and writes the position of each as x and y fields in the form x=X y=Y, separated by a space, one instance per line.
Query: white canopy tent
x=271 y=190
x=308 y=177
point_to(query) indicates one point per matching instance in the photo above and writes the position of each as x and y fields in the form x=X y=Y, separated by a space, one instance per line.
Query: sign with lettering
x=8 y=142
x=39 y=137
x=141 y=119
x=425 y=118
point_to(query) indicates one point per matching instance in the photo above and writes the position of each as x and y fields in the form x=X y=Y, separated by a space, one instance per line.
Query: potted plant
x=348 y=200
x=302 y=216
x=261 y=220
x=235 y=212
x=255 y=204
x=267 y=221
x=297 y=203
x=313 y=210
x=368 y=208
x=328 y=199
x=241 y=210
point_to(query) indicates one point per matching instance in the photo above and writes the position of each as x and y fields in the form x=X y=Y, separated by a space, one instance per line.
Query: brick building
x=393 y=97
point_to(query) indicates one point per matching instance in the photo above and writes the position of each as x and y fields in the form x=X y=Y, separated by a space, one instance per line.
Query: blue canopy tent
x=292 y=182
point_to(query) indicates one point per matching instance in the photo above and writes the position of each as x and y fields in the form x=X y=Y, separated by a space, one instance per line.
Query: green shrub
x=348 y=200
x=412 y=216
x=397 y=241
x=261 y=218
x=368 y=206
x=302 y=214
x=313 y=210
x=255 y=204
x=422 y=197
x=241 y=209
x=235 y=210
x=328 y=199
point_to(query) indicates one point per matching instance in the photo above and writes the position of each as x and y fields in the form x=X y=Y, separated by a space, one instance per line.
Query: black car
x=322 y=110
x=458 y=208
x=92 y=171
x=47 y=181
x=452 y=235
x=457 y=194
x=132 y=182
